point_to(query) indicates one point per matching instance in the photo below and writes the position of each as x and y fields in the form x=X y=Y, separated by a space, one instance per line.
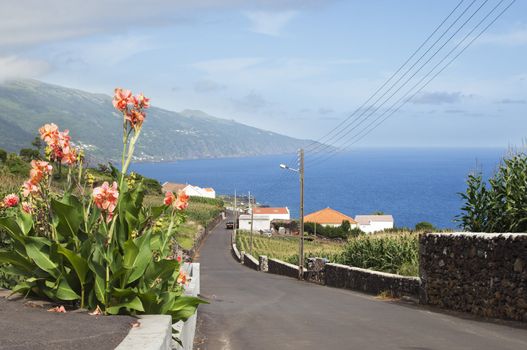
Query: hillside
x=25 y=105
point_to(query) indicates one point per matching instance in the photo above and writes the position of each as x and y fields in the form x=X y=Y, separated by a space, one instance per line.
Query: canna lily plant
x=96 y=247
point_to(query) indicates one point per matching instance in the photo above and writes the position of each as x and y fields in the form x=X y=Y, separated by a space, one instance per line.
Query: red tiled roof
x=268 y=211
x=209 y=189
x=328 y=216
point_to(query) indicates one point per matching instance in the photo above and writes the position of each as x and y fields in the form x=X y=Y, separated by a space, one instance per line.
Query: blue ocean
x=411 y=184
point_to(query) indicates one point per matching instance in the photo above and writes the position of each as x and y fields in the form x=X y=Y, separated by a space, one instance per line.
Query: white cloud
x=227 y=65
x=517 y=37
x=269 y=23
x=13 y=67
x=206 y=86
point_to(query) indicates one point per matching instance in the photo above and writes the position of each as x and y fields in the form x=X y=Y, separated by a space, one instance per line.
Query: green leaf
x=184 y=307
x=162 y=270
x=15 y=259
x=80 y=265
x=38 y=250
x=100 y=289
x=143 y=258
x=130 y=254
x=134 y=304
x=12 y=228
x=69 y=218
x=64 y=292
x=25 y=222
x=123 y=292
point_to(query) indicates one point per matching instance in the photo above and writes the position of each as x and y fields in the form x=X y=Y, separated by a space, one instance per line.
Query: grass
x=286 y=248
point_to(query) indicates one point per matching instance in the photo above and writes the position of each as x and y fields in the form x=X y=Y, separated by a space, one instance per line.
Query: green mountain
x=25 y=105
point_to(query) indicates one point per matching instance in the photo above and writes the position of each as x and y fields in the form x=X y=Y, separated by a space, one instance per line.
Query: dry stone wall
x=484 y=274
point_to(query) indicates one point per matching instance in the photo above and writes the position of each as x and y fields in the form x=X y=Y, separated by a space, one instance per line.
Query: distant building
x=262 y=218
x=374 y=223
x=190 y=190
x=329 y=217
x=260 y=223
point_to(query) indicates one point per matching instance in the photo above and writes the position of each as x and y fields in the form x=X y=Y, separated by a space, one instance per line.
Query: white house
x=374 y=223
x=190 y=190
x=273 y=213
x=262 y=218
x=197 y=191
x=260 y=223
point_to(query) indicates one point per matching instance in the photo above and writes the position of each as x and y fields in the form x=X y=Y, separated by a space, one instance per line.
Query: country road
x=255 y=310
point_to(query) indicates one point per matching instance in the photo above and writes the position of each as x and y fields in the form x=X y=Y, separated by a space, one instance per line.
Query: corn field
x=394 y=253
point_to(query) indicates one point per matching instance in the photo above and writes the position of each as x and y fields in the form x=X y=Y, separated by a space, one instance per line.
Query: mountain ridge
x=25 y=105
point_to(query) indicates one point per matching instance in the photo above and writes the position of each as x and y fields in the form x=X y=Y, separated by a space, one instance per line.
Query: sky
x=297 y=67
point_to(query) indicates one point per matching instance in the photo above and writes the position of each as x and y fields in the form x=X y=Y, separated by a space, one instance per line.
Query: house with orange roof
x=329 y=217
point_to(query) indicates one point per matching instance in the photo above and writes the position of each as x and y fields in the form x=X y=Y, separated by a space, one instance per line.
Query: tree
x=378 y=212
x=424 y=226
x=37 y=143
x=29 y=154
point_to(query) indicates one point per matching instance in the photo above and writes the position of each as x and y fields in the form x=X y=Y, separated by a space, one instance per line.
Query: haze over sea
x=411 y=184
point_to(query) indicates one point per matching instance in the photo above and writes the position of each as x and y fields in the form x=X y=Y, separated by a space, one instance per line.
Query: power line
x=345 y=132
x=360 y=108
x=379 y=121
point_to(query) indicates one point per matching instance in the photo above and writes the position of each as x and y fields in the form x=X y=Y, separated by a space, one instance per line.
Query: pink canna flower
x=27 y=208
x=70 y=157
x=29 y=188
x=105 y=197
x=11 y=200
x=122 y=98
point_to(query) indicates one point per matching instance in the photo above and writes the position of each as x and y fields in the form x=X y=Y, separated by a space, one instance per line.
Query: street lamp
x=300 y=172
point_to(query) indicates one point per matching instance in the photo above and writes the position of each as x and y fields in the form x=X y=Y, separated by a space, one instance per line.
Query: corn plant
x=499 y=205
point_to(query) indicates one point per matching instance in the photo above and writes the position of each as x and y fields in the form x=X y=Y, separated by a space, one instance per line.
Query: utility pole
x=235 y=215
x=301 y=252
x=252 y=218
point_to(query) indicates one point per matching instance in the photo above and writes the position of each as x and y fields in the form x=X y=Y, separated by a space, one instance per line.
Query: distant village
x=277 y=220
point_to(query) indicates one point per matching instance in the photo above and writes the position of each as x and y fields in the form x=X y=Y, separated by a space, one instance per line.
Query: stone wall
x=236 y=253
x=250 y=261
x=484 y=274
x=369 y=281
x=279 y=267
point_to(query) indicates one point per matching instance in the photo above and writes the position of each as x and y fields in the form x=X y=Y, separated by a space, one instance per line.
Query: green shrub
x=424 y=226
x=3 y=155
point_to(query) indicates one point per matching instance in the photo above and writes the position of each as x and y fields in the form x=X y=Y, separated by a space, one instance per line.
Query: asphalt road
x=256 y=310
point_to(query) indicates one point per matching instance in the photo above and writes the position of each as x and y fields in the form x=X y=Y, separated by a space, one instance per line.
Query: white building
x=197 y=191
x=262 y=218
x=273 y=213
x=260 y=223
x=374 y=223
x=190 y=190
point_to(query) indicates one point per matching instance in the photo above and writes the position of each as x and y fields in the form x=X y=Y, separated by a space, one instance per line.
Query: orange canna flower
x=122 y=98
x=70 y=157
x=11 y=200
x=49 y=132
x=105 y=197
x=135 y=118
x=182 y=278
x=181 y=202
x=140 y=101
